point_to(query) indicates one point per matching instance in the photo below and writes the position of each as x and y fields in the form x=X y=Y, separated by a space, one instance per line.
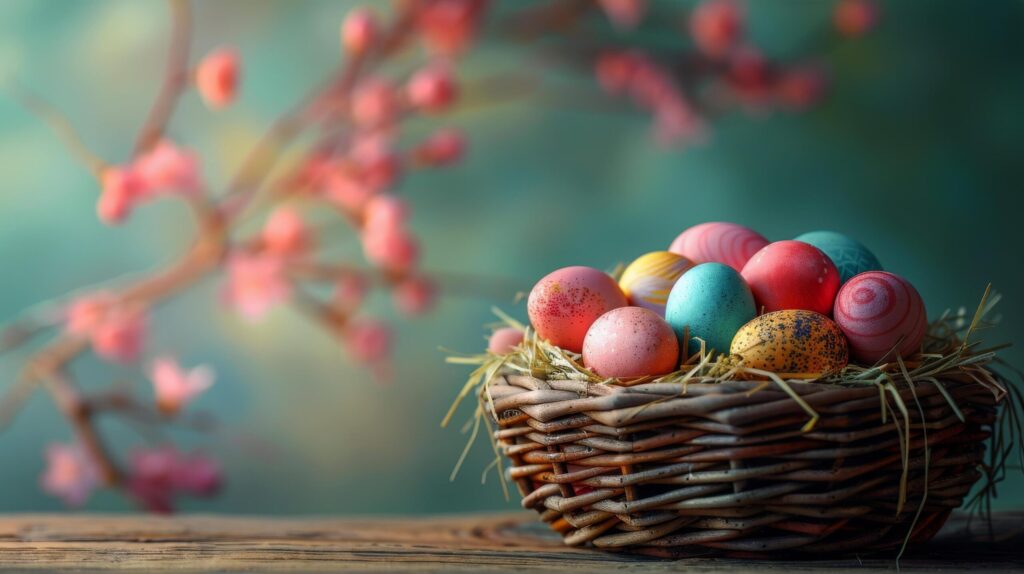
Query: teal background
x=917 y=154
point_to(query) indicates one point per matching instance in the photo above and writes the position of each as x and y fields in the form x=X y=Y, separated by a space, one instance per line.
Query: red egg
x=719 y=242
x=566 y=302
x=630 y=342
x=881 y=314
x=792 y=275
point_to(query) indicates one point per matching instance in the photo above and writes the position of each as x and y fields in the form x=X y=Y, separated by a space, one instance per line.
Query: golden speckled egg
x=794 y=343
x=648 y=280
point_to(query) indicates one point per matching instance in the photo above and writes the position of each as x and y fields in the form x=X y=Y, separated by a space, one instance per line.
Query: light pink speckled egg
x=630 y=342
x=504 y=340
x=566 y=302
x=719 y=242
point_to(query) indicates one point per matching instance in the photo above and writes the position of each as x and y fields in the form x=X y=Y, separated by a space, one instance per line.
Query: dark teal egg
x=849 y=255
x=711 y=301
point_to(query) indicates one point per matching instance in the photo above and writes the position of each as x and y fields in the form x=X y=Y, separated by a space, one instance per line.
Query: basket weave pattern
x=674 y=470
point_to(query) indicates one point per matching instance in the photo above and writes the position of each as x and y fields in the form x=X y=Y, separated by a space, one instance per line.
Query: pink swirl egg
x=881 y=314
x=566 y=302
x=630 y=342
x=719 y=242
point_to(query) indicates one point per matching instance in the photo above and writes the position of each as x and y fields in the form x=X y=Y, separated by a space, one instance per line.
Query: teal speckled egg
x=849 y=255
x=712 y=301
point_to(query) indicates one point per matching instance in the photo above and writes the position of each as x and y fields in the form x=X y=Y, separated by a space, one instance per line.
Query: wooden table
x=477 y=543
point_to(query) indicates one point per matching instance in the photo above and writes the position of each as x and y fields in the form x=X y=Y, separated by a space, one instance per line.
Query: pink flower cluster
x=448 y=27
x=155 y=477
x=652 y=88
x=70 y=474
x=732 y=69
x=116 y=331
x=356 y=176
x=158 y=475
x=166 y=169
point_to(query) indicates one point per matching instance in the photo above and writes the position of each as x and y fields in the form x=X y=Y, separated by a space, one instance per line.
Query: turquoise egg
x=849 y=255
x=712 y=301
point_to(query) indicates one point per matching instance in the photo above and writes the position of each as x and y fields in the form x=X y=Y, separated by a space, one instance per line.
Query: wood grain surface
x=477 y=543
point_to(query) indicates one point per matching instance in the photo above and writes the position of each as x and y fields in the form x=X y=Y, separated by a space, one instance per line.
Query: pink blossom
x=447 y=27
x=359 y=31
x=314 y=171
x=415 y=295
x=350 y=291
x=86 y=312
x=151 y=479
x=716 y=26
x=375 y=103
x=385 y=212
x=169 y=168
x=255 y=284
x=854 y=18
x=652 y=88
x=120 y=335
x=198 y=475
x=348 y=190
x=615 y=71
x=285 y=233
x=174 y=386
x=443 y=147
x=367 y=340
x=376 y=161
x=394 y=250
x=432 y=89
x=504 y=340
x=801 y=87
x=625 y=14
x=121 y=187
x=70 y=474
x=675 y=121
x=116 y=332
x=749 y=76
x=217 y=77
x=159 y=474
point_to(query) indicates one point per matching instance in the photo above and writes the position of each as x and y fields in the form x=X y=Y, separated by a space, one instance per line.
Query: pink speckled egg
x=881 y=312
x=566 y=302
x=719 y=242
x=792 y=275
x=504 y=340
x=630 y=342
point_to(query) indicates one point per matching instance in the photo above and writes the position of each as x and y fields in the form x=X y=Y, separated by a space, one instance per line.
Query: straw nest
x=717 y=457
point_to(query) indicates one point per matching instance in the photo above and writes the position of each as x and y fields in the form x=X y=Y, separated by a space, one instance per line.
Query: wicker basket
x=676 y=470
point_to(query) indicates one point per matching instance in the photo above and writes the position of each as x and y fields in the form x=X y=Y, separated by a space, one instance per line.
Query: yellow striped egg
x=648 y=280
x=794 y=343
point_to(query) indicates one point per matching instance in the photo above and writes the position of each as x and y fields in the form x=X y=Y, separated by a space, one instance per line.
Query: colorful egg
x=848 y=254
x=566 y=302
x=792 y=275
x=709 y=302
x=719 y=242
x=504 y=340
x=881 y=314
x=647 y=281
x=630 y=342
x=795 y=344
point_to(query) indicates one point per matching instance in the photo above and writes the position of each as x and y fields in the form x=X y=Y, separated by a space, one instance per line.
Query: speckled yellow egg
x=794 y=343
x=648 y=280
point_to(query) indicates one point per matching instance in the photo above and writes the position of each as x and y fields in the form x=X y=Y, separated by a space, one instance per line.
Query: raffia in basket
x=702 y=462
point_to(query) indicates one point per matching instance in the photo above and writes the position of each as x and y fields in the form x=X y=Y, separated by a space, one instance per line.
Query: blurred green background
x=917 y=153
